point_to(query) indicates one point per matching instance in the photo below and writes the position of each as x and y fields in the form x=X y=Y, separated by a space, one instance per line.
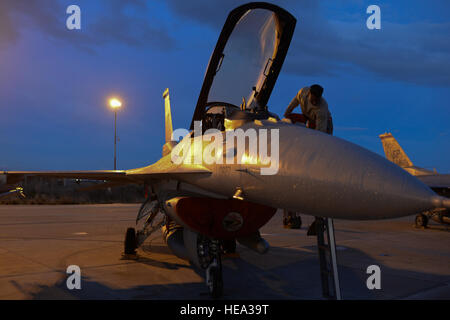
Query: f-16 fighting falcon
x=205 y=189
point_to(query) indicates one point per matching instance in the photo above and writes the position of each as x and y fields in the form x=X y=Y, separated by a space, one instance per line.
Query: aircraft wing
x=114 y=175
x=163 y=169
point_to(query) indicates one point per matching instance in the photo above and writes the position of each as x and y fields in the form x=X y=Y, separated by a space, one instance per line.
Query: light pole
x=115 y=104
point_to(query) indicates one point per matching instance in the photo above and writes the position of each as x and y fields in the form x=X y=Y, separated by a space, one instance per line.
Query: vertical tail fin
x=168 y=115
x=167 y=148
x=393 y=151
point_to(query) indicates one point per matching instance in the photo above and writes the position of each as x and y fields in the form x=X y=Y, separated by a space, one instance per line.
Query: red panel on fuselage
x=221 y=219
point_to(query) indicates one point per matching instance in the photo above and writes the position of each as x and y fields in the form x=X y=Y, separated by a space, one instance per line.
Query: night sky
x=54 y=83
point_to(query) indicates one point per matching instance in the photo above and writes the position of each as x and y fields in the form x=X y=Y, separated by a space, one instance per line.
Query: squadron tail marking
x=394 y=151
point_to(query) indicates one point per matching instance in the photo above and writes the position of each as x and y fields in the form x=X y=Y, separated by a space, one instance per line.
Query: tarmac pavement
x=38 y=243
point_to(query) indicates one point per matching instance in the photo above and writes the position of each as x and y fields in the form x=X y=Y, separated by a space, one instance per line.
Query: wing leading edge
x=163 y=169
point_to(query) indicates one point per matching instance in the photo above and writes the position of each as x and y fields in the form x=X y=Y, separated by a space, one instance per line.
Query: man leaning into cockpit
x=315 y=110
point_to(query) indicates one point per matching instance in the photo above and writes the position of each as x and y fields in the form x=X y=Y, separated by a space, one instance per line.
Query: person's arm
x=294 y=103
x=322 y=120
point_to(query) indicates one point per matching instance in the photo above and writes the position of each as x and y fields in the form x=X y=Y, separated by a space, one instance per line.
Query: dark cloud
x=7 y=32
x=14 y=15
x=208 y=12
x=212 y=12
x=415 y=52
x=118 y=21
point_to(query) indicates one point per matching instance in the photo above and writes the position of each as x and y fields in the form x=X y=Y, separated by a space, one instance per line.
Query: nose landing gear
x=209 y=253
x=214 y=279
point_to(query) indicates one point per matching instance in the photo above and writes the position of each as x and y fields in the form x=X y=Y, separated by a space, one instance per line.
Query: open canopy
x=248 y=57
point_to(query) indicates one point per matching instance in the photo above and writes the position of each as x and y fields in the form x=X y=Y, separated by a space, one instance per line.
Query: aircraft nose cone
x=336 y=178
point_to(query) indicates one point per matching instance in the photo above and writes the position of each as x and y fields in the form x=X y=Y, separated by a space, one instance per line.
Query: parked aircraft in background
x=17 y=192
x=440 y=183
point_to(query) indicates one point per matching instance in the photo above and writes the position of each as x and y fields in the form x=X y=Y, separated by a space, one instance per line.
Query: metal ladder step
x=327 y=258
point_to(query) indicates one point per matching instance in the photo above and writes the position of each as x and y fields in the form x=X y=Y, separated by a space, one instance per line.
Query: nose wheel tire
x=421 y=221
x=210 y=250
x=215 y=282
x=130 y=243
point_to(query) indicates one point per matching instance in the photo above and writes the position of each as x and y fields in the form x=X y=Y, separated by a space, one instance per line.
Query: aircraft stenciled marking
x=233 y=221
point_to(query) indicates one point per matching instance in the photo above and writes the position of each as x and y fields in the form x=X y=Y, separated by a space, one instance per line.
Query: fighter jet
x=206 y=188
x=440 y=183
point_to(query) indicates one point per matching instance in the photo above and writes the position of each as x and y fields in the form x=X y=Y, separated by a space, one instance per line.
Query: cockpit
x=244 y=67
x=225 y=116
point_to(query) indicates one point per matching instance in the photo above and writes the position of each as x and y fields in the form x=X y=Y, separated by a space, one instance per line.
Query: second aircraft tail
x=394 y=151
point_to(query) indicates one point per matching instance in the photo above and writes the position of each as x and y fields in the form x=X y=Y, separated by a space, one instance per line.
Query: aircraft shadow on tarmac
x=267 y=276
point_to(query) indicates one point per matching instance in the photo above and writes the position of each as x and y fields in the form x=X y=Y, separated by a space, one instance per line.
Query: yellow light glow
x=249 y=159
x=115 y=103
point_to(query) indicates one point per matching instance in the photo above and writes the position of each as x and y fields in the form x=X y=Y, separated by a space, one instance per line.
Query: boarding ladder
x=326 y=246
